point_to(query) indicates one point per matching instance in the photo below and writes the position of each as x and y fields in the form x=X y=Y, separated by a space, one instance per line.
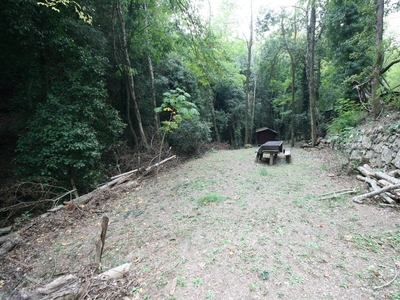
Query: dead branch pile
x=8 y=239
x=383 y=186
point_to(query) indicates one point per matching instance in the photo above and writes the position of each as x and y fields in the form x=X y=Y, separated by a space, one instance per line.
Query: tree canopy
x=82 y=78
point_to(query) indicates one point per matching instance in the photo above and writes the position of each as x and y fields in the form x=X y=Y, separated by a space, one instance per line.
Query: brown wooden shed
x=265 y=134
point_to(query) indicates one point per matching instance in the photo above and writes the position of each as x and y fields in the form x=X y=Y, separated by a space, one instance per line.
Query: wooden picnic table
x=272 y=148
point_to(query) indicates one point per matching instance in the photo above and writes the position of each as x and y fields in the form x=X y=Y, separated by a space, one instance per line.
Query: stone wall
x=376 y=143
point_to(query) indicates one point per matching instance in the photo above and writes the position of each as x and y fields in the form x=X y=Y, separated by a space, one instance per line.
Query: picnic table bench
x=273 y=148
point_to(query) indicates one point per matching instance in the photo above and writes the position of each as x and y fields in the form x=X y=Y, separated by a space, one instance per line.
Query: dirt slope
x=224 y=227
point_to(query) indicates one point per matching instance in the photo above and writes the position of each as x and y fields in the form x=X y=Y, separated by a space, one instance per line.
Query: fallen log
x=394 y=173
x=10 y=243
x=5 y=230
x=381 y=175
x=6 y=237
x=366 y=171
x=71 y=286
x=115 y=273
x=358 y=199
x=84 y=198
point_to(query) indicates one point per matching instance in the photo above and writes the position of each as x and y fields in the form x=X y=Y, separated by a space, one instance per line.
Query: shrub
x=67 y=135
x=190 y=135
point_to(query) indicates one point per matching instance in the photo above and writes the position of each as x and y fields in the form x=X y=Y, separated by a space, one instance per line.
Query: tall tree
x=291 y=48
x=128 y=73
x=249 y=47
x=311 y=74
x=376 y=102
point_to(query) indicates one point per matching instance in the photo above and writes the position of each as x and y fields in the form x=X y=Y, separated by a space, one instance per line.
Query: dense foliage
x=79 y=78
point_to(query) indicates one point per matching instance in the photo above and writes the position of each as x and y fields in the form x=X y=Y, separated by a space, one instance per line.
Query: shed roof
x=264 y=129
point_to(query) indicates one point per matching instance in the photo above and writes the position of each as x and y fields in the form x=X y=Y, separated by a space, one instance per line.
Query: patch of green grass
x=212 y=199
x=243 y=203
x=180 y=282
x=210 y=294
x=354 y=218
x=376 y=242
x=303 y=203
x=395 y=295
x=296 y=280
x=197 y=282
x=313 y=245
x=263 y=172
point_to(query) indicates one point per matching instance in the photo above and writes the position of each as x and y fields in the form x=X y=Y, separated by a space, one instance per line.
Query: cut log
x=394 y=173
x=368 y=167
x=115 y=273
x=57 y=284
x=391 y=179
x=360 y=198
x=6 y=237
x=383 y=182
x=5 y=230
x=367 y=172
x=10 y=243
x=375 y=187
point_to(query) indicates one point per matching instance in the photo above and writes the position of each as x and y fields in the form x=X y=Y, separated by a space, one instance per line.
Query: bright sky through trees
x=241 y=13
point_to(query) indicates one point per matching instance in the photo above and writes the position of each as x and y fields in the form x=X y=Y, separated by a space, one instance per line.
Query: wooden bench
x=287 y=154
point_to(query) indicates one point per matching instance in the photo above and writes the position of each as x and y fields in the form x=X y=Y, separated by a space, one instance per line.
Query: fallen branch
x=117 y=180
x=337 y=194
x=123 y=174
x=148 y=169
x=391 y=281
x=358 y=199
x=32 y=203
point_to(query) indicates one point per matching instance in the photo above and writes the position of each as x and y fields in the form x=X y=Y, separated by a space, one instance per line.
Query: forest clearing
x=111 y=182
x=221 y=227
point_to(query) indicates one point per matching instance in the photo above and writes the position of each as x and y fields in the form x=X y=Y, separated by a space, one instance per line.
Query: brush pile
x=384 y=186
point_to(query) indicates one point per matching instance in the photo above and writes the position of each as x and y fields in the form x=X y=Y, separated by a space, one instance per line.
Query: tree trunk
x=311 y=83
x=249 y=46
x=127 y=71
x=151 y=71
x=376 y=103
x=253 y=105
x=128 y=116
x=153 y=93
x=293 y=74
x=212 y=103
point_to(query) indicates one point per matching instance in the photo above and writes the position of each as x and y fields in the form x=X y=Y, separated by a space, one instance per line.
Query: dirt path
x=223 y=227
